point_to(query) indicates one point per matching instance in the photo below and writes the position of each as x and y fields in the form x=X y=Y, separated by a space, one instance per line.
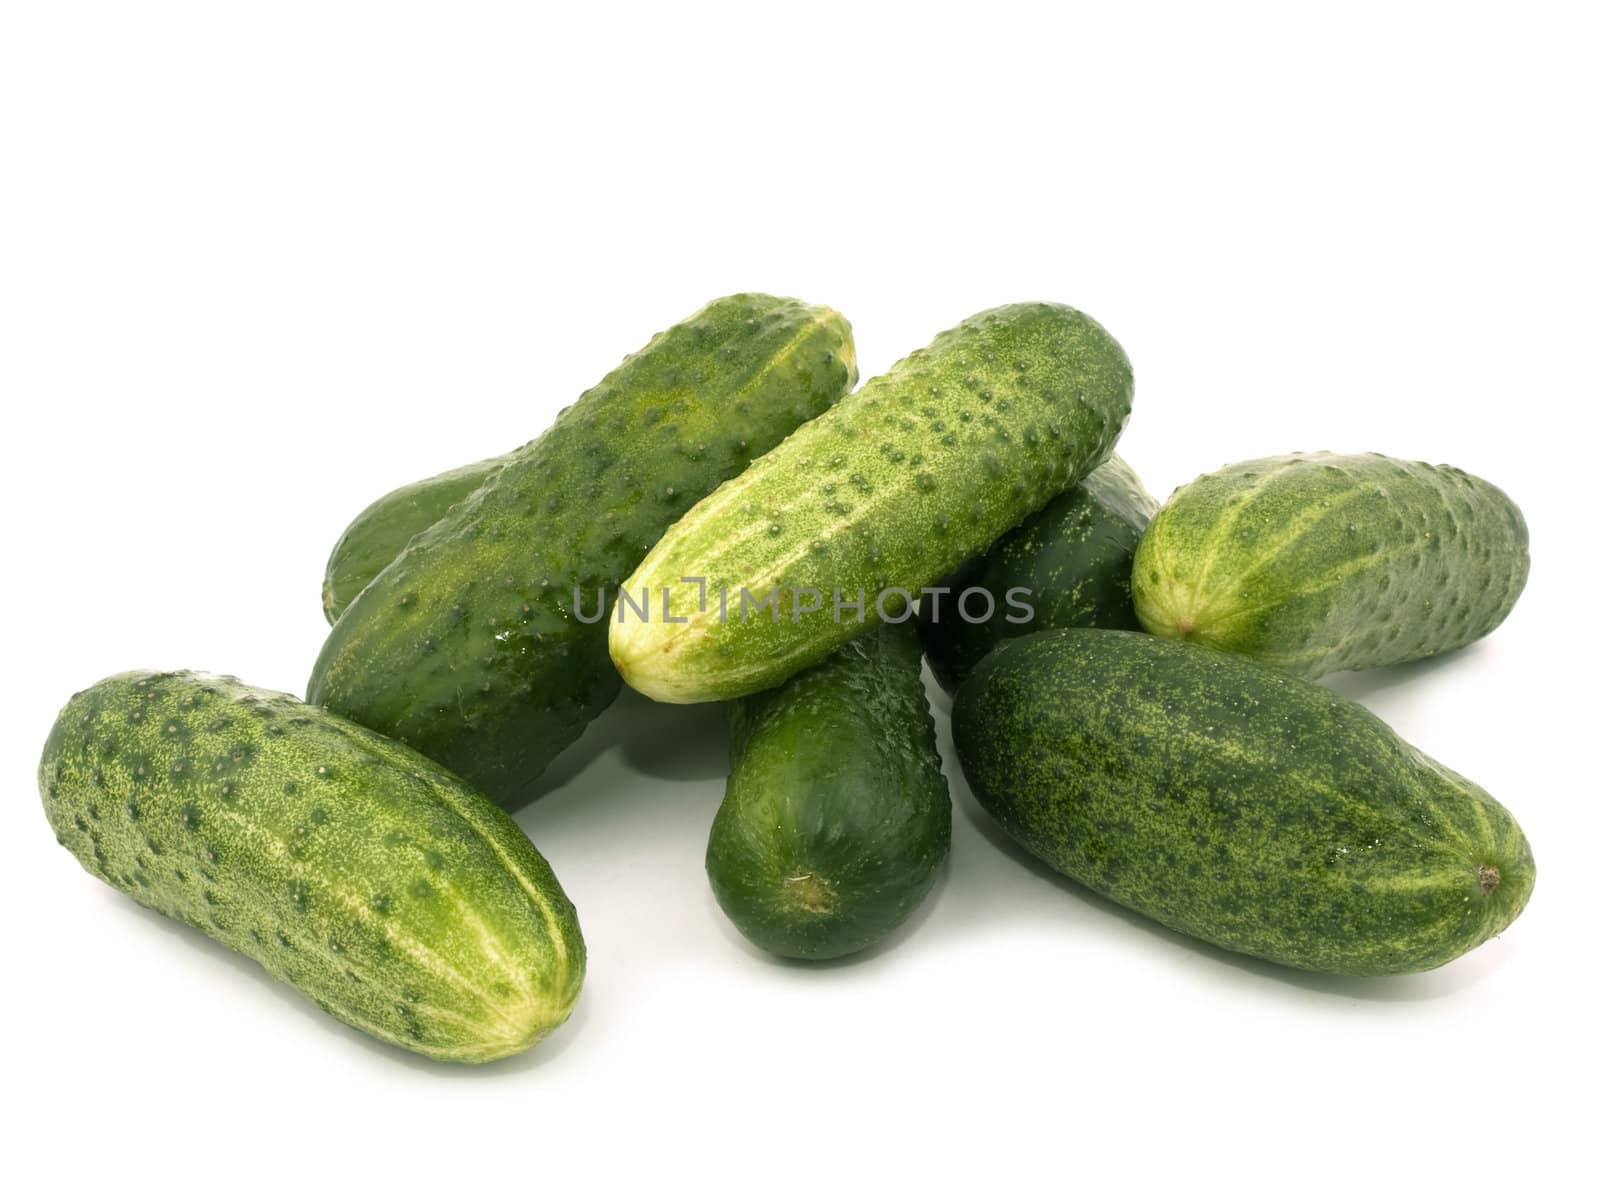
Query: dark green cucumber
x=1068 y=565
x=898 y=485
x=397 y=897
x=381 y=530
x=1236 y=803
x=484 y=643
x=837 y=816
x=1332 y=562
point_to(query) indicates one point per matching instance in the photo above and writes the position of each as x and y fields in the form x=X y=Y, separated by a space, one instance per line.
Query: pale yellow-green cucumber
x=839 y=526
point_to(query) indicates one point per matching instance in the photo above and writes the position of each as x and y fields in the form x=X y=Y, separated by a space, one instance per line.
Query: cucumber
x=388 y=891
x=1236 y=803
x=899 y=484
x=484 y=643
x=836 y=819
x=381 y=530
x=1332 y=562
x=1070 y=564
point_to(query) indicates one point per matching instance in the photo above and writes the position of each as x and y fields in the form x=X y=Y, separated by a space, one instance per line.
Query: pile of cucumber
x=723 y=518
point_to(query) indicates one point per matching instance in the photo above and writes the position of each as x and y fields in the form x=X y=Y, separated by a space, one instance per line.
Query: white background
x=260 y=263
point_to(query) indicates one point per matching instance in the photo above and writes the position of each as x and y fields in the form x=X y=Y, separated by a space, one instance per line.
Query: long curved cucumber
x=900 y=483
x=484 y=643
x=397 y=897
x=1332 y=562
x=836 y=818
x=1239 y=804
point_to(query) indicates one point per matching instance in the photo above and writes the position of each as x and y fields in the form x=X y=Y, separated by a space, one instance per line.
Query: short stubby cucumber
x=840 y=526
x=384 y=528
x=1068 y=565
x=401 y=900
x=484 y=643
x=1247 y=807
x=836 y=819
x=1332 y=562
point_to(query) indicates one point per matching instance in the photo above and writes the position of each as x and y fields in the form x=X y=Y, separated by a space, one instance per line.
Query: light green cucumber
x=1332 y=562
x=1070 y=564
x=484 y=643
x=836 y=818
x=383 y=529
x=1252 y=809
x=897 y=485
x=398 y=898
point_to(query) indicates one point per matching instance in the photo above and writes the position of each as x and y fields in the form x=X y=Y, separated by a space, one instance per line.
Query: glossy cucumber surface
x=1070 y=564
x=836 y=818
x=384 y=528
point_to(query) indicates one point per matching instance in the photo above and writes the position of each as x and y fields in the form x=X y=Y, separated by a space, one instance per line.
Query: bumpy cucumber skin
x=900 y=483
x=382 y=530
x=836 y=819
x=1236 y=803
x=468 y=646
x=1332 y=562
x=1075 y=558
x=398 y=898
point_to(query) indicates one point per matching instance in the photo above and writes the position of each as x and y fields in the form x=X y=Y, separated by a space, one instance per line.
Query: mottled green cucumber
x=1236 y=803
x=899 y=484
x=1068 y=565
x=484 y=643
x=1332 y=562
x=397 y=897
x=381 y=530
x=836 y=819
